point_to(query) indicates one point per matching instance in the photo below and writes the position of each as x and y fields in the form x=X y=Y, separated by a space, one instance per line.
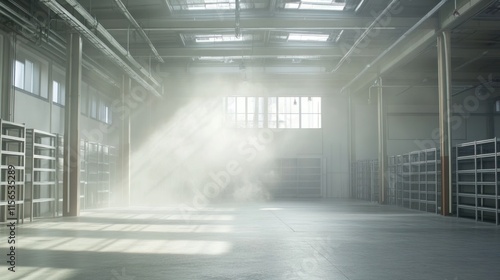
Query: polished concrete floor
x=272 y=240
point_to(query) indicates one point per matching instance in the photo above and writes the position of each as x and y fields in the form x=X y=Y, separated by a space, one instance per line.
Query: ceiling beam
x=417 y=41
x=277 y=23
x=334 y=52
x=480 y=25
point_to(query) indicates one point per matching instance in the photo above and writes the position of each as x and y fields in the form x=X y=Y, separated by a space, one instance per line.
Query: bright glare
x=327 y=5
x=217 y=38
x=212 y=5
x=37 y=273
x=109 y=245
x=308 y=37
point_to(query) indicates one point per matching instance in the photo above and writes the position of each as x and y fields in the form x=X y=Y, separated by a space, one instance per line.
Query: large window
x=245 y=112
x=27 y=76
x=104 y=112
x=310 y=112
x=281 y=112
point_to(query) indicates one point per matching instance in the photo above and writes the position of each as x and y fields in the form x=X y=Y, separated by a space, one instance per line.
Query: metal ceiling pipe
x=103 y=32
x=100 y=45
x=406 y=34
x=143 y=34
x=55 y=40
x=363 y=35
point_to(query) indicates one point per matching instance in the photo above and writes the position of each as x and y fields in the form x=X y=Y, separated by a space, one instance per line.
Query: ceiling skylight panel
x=329 y=5
x=210 y=5
x=308 y=37
x=217 y=38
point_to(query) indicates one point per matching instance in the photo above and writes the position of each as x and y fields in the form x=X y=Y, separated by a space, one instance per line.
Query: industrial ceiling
x=346 y=43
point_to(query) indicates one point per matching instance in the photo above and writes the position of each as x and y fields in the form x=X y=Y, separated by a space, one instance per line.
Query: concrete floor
x=273 y=240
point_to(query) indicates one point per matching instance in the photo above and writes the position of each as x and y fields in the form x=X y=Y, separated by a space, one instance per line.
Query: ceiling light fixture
x=456 y=13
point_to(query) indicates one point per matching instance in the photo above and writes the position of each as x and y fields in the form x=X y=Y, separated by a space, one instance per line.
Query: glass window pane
x=271 y=105
x=19 y=75
x=36 y=82
x=55 y=92
x=240 y=104
x=28 y=76
x=231 y=105
x=251 y=104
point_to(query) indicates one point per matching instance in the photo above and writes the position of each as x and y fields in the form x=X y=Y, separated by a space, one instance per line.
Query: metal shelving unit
x=477 y=178
x=391 y=193
x=41 y=184
x=83 y=173
x=415 y=180
x=59 y=172
x=13 y=149
x=365 y=180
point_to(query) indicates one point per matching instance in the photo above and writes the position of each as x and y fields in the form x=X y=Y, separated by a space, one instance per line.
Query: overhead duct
x=104 y=33
x=100 y=45
x=143 y=34
x=363 y=36
x=53 y=39
x=399 y=40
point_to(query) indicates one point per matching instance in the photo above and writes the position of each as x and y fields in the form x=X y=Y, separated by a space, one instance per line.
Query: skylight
x=217 y=38
x=308 y=37
x=212 y=5
x=329 y=5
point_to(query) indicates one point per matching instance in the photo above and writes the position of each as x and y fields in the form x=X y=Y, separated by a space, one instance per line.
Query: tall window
x=27 y=76
x=58 y=88
x=104 y=112
x=310 y=112
x=93 y=103
x=288 y=112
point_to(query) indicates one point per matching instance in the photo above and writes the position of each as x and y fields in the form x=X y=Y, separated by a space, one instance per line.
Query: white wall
x=413 y=121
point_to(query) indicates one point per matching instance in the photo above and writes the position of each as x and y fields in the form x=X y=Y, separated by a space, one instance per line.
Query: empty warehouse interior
x=250 y=139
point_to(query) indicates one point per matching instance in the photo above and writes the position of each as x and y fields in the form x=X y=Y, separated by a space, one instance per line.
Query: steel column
x=351 y=154
x=382 y=143
x=444 y=84
x=125 y=142
x=71 y=180
x=9 y=54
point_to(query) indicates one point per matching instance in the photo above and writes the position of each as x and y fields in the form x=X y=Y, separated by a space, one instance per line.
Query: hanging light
x=309 y=99
x=295 y=102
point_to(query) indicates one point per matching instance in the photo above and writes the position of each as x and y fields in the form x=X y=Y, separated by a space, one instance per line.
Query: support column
x=444 y=83
x=7 y=98
x=125 y=142
x=350 y=144
x=382 y=143
x=71 y=180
